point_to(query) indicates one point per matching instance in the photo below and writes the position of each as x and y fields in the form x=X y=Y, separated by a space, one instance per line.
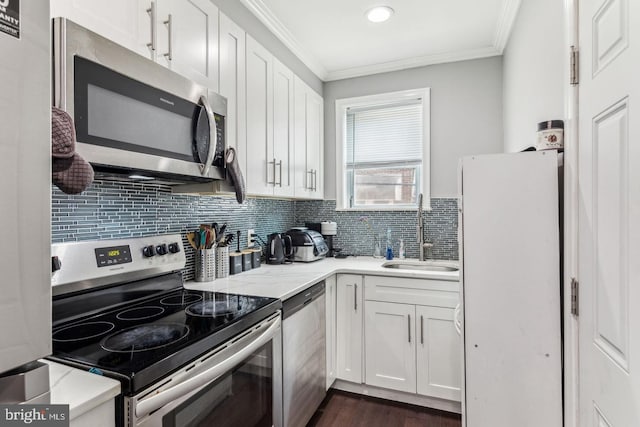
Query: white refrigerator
x=25 y=186
x=509 y=226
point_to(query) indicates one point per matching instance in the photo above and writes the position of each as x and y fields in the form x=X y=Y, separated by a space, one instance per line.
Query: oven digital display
x=106 y=257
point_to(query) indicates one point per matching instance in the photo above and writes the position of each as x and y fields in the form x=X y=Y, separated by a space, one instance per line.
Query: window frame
x=342 y=105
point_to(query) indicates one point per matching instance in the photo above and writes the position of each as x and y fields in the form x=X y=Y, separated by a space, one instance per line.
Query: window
x=383 y=150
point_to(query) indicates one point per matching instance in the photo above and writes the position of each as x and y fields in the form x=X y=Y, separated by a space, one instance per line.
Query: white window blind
x=384 y=149
x=390 y=134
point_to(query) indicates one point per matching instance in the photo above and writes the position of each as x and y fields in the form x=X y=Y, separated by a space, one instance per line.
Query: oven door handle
x=157 y=401
x=213 y=136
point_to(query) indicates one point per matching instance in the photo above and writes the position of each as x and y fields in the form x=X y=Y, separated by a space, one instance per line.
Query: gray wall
x=242 y=16
x=533 y=72
x=466 y=114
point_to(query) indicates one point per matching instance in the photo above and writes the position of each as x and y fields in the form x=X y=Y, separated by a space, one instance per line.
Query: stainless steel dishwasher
x=303 y=355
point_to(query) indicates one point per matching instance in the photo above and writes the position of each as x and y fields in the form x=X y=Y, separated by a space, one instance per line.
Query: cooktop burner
x=82 y=332
x=149 y=332
x=140 y=313
x=184 y=298
x=145 y=337
x=212 y=308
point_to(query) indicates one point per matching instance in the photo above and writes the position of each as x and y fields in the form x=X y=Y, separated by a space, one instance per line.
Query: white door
x=438 y=353
x=330 y=290
x=609 y=213
x=233 y=86
x=315 y=142
x=282 y=128
x=260 y=166
x=390 y=345
x=349 y=327
x=309 y=147
x=125 y=22
x=187 y=32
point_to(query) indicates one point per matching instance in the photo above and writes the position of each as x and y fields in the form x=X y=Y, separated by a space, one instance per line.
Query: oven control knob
x=174 y=248
x=148 y=251
x=161 y=249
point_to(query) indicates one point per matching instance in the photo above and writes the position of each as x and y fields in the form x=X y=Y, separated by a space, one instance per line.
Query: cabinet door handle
x=409 y=327
x=310 y=180
x=421 y=329
x=169 y=24
x=274 y=172
x=355 y=297
x=315 y=180
x=152 y=14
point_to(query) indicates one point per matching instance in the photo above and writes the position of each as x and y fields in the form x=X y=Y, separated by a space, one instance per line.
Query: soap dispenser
x=401 y=251
x=389 y=247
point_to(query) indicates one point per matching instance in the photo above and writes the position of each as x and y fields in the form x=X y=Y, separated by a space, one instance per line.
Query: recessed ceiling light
x=379 y=14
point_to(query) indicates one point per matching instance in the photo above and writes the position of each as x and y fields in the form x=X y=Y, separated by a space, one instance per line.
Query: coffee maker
x=328 y=229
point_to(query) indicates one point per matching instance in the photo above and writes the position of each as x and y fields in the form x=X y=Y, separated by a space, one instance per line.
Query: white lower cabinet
x=390 y=353
x=349 y=334
x=398 y=334
x=330 y=307
x=439 y=353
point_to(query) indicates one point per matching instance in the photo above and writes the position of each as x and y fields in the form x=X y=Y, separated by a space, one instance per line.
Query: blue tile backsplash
x=118 y=209
x=356 y=230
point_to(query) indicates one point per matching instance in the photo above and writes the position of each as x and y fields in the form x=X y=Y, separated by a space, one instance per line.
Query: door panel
x=439 y=353
x=349 y=327
x=193 y=33
x=283 y=128
x=390 y=341
x=609 y=213
x=260 y=117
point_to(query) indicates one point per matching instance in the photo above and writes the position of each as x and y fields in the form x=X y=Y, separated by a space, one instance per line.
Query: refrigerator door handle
x=456 y=319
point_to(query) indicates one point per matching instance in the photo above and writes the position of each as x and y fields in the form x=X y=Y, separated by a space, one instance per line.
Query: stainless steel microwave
x=133 y=116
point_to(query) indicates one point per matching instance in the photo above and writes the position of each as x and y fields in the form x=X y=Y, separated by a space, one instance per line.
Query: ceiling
x=335 y=40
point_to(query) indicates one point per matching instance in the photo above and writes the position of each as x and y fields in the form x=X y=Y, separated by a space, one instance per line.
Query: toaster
x=308 y=245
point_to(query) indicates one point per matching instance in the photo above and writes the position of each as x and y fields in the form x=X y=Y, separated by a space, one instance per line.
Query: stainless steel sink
x=421 y=266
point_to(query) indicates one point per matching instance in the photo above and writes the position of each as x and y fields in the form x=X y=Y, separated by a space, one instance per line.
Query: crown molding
x=505 y=23
x=264 y=14
x=412 y=63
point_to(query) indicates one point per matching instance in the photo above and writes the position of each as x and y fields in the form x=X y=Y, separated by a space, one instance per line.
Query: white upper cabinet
x=283 y=129
x=309 y=142
x=233 y=86
x=126 y=22
x=269 y=123
x=179 y=34
x=260 y=166
x=187 y=39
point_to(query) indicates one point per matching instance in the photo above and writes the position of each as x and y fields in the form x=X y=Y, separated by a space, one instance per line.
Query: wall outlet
x=250 y=236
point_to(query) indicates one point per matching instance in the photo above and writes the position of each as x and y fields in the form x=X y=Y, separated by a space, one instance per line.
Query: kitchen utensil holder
x=205 y=265
x=222 y=261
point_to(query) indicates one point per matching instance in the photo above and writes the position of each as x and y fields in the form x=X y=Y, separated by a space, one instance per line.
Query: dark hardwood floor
x=342 y=409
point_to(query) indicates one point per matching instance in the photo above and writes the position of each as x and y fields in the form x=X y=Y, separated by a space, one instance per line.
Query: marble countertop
x=286 y=280
x=81 y=390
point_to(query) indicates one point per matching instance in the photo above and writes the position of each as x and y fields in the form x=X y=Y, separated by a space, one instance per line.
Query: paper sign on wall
x=10 y=17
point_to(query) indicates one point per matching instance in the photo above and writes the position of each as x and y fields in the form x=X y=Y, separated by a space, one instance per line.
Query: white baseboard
x=398 y=396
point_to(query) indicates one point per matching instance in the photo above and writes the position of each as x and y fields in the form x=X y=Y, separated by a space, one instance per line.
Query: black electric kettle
x=279 y=248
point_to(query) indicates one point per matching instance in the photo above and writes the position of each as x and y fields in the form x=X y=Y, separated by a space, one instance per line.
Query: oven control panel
x=113 y=255
x=79 y=265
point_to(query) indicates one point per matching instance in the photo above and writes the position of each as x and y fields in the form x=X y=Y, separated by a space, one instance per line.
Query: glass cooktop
x=143 y=341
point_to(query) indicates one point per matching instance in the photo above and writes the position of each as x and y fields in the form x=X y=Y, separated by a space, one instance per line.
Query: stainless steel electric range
x=183 y=357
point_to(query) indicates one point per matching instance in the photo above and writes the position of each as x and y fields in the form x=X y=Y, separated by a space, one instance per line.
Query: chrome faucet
x=420 y=231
